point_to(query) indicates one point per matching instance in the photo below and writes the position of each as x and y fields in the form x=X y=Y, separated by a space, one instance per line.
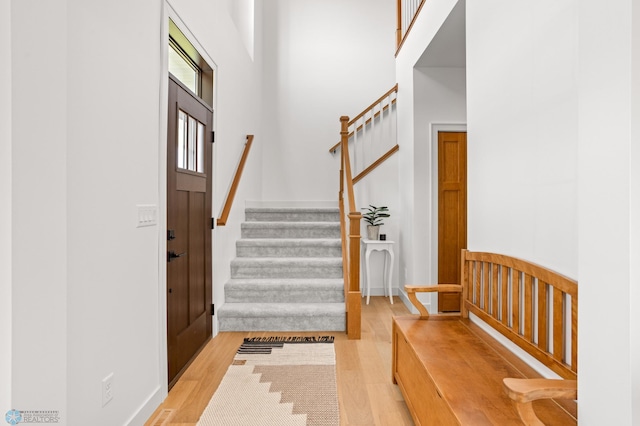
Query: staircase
x=287 y=275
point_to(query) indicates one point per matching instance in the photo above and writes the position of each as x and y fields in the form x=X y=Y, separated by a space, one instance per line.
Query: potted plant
x=373 y=216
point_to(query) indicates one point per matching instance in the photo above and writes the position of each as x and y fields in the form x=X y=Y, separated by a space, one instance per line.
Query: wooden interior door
x=452 y=213
x=189 y=292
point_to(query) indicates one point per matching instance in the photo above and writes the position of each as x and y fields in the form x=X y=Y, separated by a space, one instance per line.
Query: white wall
x=380 y=188
x=87 y=125
x=523 y=135
x=112 y=165
x=5 y=206
x=551 y=120
x=413 y=247
x=242 y=14
x=39 y=205
x=323 y=59
x=440 y=104
x=634 y=213
x=608 y=231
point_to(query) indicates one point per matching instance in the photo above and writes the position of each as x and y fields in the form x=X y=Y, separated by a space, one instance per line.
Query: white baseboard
x=147 y=408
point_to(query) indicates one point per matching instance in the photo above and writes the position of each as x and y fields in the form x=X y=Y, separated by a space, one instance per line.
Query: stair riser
x=287 y=251
x=294 y=295
x=291 y=271
x=259 y=230
x=283 y=324
x=252 y=216
x=287 y=274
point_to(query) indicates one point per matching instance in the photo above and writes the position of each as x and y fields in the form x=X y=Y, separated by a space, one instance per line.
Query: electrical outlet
x=107 y=389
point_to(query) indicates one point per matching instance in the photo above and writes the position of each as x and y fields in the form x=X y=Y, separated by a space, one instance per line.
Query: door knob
x=173 y=255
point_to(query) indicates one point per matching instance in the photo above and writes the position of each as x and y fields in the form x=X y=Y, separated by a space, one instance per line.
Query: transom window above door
x=188 y=66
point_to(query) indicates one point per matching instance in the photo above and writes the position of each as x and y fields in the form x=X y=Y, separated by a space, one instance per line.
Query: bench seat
x=451 y=372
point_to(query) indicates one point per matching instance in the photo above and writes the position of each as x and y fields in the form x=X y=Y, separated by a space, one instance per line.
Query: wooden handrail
x=334 y=148
x=222 y=221
x=376 y=164
x=370 y=107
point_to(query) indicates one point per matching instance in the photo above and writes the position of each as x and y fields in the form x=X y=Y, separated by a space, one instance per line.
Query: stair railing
x=222 y=220
x=350 y=243
x=359 y=131
x=408 y=10
x=367 y=133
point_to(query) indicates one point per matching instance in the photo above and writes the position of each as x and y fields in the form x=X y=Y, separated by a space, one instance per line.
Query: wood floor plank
x=365 y=392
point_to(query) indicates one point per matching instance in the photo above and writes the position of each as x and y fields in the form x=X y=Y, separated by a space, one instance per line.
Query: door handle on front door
x=173 y=255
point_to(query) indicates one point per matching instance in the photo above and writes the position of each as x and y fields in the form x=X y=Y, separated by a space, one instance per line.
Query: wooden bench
x=451 y=371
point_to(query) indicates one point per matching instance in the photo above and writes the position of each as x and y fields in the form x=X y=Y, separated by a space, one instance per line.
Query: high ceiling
x=447 y=49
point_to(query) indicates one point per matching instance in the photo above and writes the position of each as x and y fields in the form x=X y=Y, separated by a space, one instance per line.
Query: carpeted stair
x=287 y=275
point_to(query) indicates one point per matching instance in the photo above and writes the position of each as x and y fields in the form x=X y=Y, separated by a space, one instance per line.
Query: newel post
x=354 y=310
x=354 y=300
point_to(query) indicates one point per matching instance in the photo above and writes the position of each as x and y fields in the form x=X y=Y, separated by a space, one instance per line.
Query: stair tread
x=301 y=281
x=282 y=260
x=288 y=272
x=293 y=241
x=293 y=209
x=288 y=224
x=249 y=309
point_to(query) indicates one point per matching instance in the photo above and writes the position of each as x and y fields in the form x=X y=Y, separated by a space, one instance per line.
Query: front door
x=189 y=186
x=452 y=213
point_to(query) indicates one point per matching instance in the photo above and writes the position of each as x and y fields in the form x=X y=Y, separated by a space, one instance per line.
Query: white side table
x=387 y=248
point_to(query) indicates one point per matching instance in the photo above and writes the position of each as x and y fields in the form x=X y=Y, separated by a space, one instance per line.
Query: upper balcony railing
x=407 y=12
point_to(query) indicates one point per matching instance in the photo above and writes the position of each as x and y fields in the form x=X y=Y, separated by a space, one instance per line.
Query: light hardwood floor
x=363 y=367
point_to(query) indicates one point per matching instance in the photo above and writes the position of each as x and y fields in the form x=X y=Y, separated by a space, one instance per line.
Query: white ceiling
x=447 y=49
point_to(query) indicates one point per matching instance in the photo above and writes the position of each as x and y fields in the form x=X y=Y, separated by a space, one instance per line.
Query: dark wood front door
x=452 y=213
x=189 y=293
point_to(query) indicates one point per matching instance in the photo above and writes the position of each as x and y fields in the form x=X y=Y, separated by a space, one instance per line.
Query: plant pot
x=373 y=231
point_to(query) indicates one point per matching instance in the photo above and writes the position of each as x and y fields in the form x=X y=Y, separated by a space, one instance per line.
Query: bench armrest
x=525 y=391
x=439 y=288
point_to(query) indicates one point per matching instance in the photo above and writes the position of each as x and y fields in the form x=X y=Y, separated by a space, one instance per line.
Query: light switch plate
x=147 y=215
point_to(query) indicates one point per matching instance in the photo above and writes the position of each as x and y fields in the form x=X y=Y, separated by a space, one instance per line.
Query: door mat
x=278 y=381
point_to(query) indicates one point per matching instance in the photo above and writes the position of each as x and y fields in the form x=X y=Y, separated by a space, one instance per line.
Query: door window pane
x=192 y=143
x=182 y=140
x=200 y=150
x=190 y=155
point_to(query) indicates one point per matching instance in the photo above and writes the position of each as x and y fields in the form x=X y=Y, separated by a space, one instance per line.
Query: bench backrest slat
x=559 y=325
x=528 y=307
x=505 y=277
x=532 y=306
x=542 y=316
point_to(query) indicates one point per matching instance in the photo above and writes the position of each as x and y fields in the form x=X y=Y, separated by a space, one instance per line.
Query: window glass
x=182 y=140
x=200 y=150
x=183 y=69
x=190 y=155
x=191 y=165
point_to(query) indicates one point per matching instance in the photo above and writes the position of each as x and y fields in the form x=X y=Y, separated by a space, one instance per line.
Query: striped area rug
x=278 y=381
